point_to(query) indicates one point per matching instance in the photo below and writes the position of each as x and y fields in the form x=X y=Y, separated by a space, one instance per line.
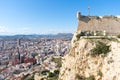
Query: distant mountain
x=59 y=35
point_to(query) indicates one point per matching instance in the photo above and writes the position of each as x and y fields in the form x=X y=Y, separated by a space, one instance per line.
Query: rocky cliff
x=81 y=64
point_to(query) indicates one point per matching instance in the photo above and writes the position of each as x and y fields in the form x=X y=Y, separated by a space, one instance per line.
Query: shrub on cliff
x=101 y=48
x=79 y=77
x=79 y=35
x=44 y=72
x=118 y=35
x=100 y=73
x=58 y=61
x=91 y=77
x=51 y=74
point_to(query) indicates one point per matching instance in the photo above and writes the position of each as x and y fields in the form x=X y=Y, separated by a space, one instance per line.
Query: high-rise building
x=18 y=42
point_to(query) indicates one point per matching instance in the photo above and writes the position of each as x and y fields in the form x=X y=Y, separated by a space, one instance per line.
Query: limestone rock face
x=79 y=63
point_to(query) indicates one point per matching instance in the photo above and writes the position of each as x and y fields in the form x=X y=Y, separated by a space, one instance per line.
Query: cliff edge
x=79 y=64
x=92 y=58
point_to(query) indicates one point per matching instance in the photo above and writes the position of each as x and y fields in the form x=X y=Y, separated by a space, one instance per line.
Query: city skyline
x=49 y=16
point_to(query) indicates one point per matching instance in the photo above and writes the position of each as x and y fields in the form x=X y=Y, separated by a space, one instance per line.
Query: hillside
x=93 y=57
x=80 y=64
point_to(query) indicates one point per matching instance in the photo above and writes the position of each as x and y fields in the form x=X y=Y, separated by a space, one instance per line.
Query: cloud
x=24 y=30
x=3 y=29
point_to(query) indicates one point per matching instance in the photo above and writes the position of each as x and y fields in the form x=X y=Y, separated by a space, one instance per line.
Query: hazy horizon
x=33 y=34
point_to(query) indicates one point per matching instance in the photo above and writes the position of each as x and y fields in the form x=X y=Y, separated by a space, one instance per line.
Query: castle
x=108 y=25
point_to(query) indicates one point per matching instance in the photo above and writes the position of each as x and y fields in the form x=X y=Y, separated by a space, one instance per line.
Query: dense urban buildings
x=21 y=56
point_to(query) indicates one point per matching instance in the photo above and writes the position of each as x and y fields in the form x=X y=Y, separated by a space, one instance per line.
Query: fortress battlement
x=109 y=24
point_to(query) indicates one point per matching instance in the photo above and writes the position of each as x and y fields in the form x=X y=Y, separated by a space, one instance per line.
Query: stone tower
x=78 y=15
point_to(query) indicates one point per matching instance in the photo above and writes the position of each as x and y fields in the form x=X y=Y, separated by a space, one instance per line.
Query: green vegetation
x=44 y=72
x=53 y=75
x=56 y=71
x=118 y=35
x=58 y=61
x=91 y=77
x=80 y=77
x=101 y=48
x=100 y=73
x=79 y=35
x=85 y=33
x=97 y=17
x=113 y=39
x=99 y=33
x=42 y=79
x=50 y=75
x=90 y=33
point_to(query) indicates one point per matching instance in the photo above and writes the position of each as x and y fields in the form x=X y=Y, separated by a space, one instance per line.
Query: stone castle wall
x=110 y=24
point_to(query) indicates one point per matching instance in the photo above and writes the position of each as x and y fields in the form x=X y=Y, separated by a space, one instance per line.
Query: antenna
x=88 y=10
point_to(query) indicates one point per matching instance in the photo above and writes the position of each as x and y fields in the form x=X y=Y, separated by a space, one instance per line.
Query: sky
x=49 y=16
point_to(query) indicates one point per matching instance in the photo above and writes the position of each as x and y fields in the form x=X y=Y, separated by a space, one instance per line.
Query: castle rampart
x=108 y=24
